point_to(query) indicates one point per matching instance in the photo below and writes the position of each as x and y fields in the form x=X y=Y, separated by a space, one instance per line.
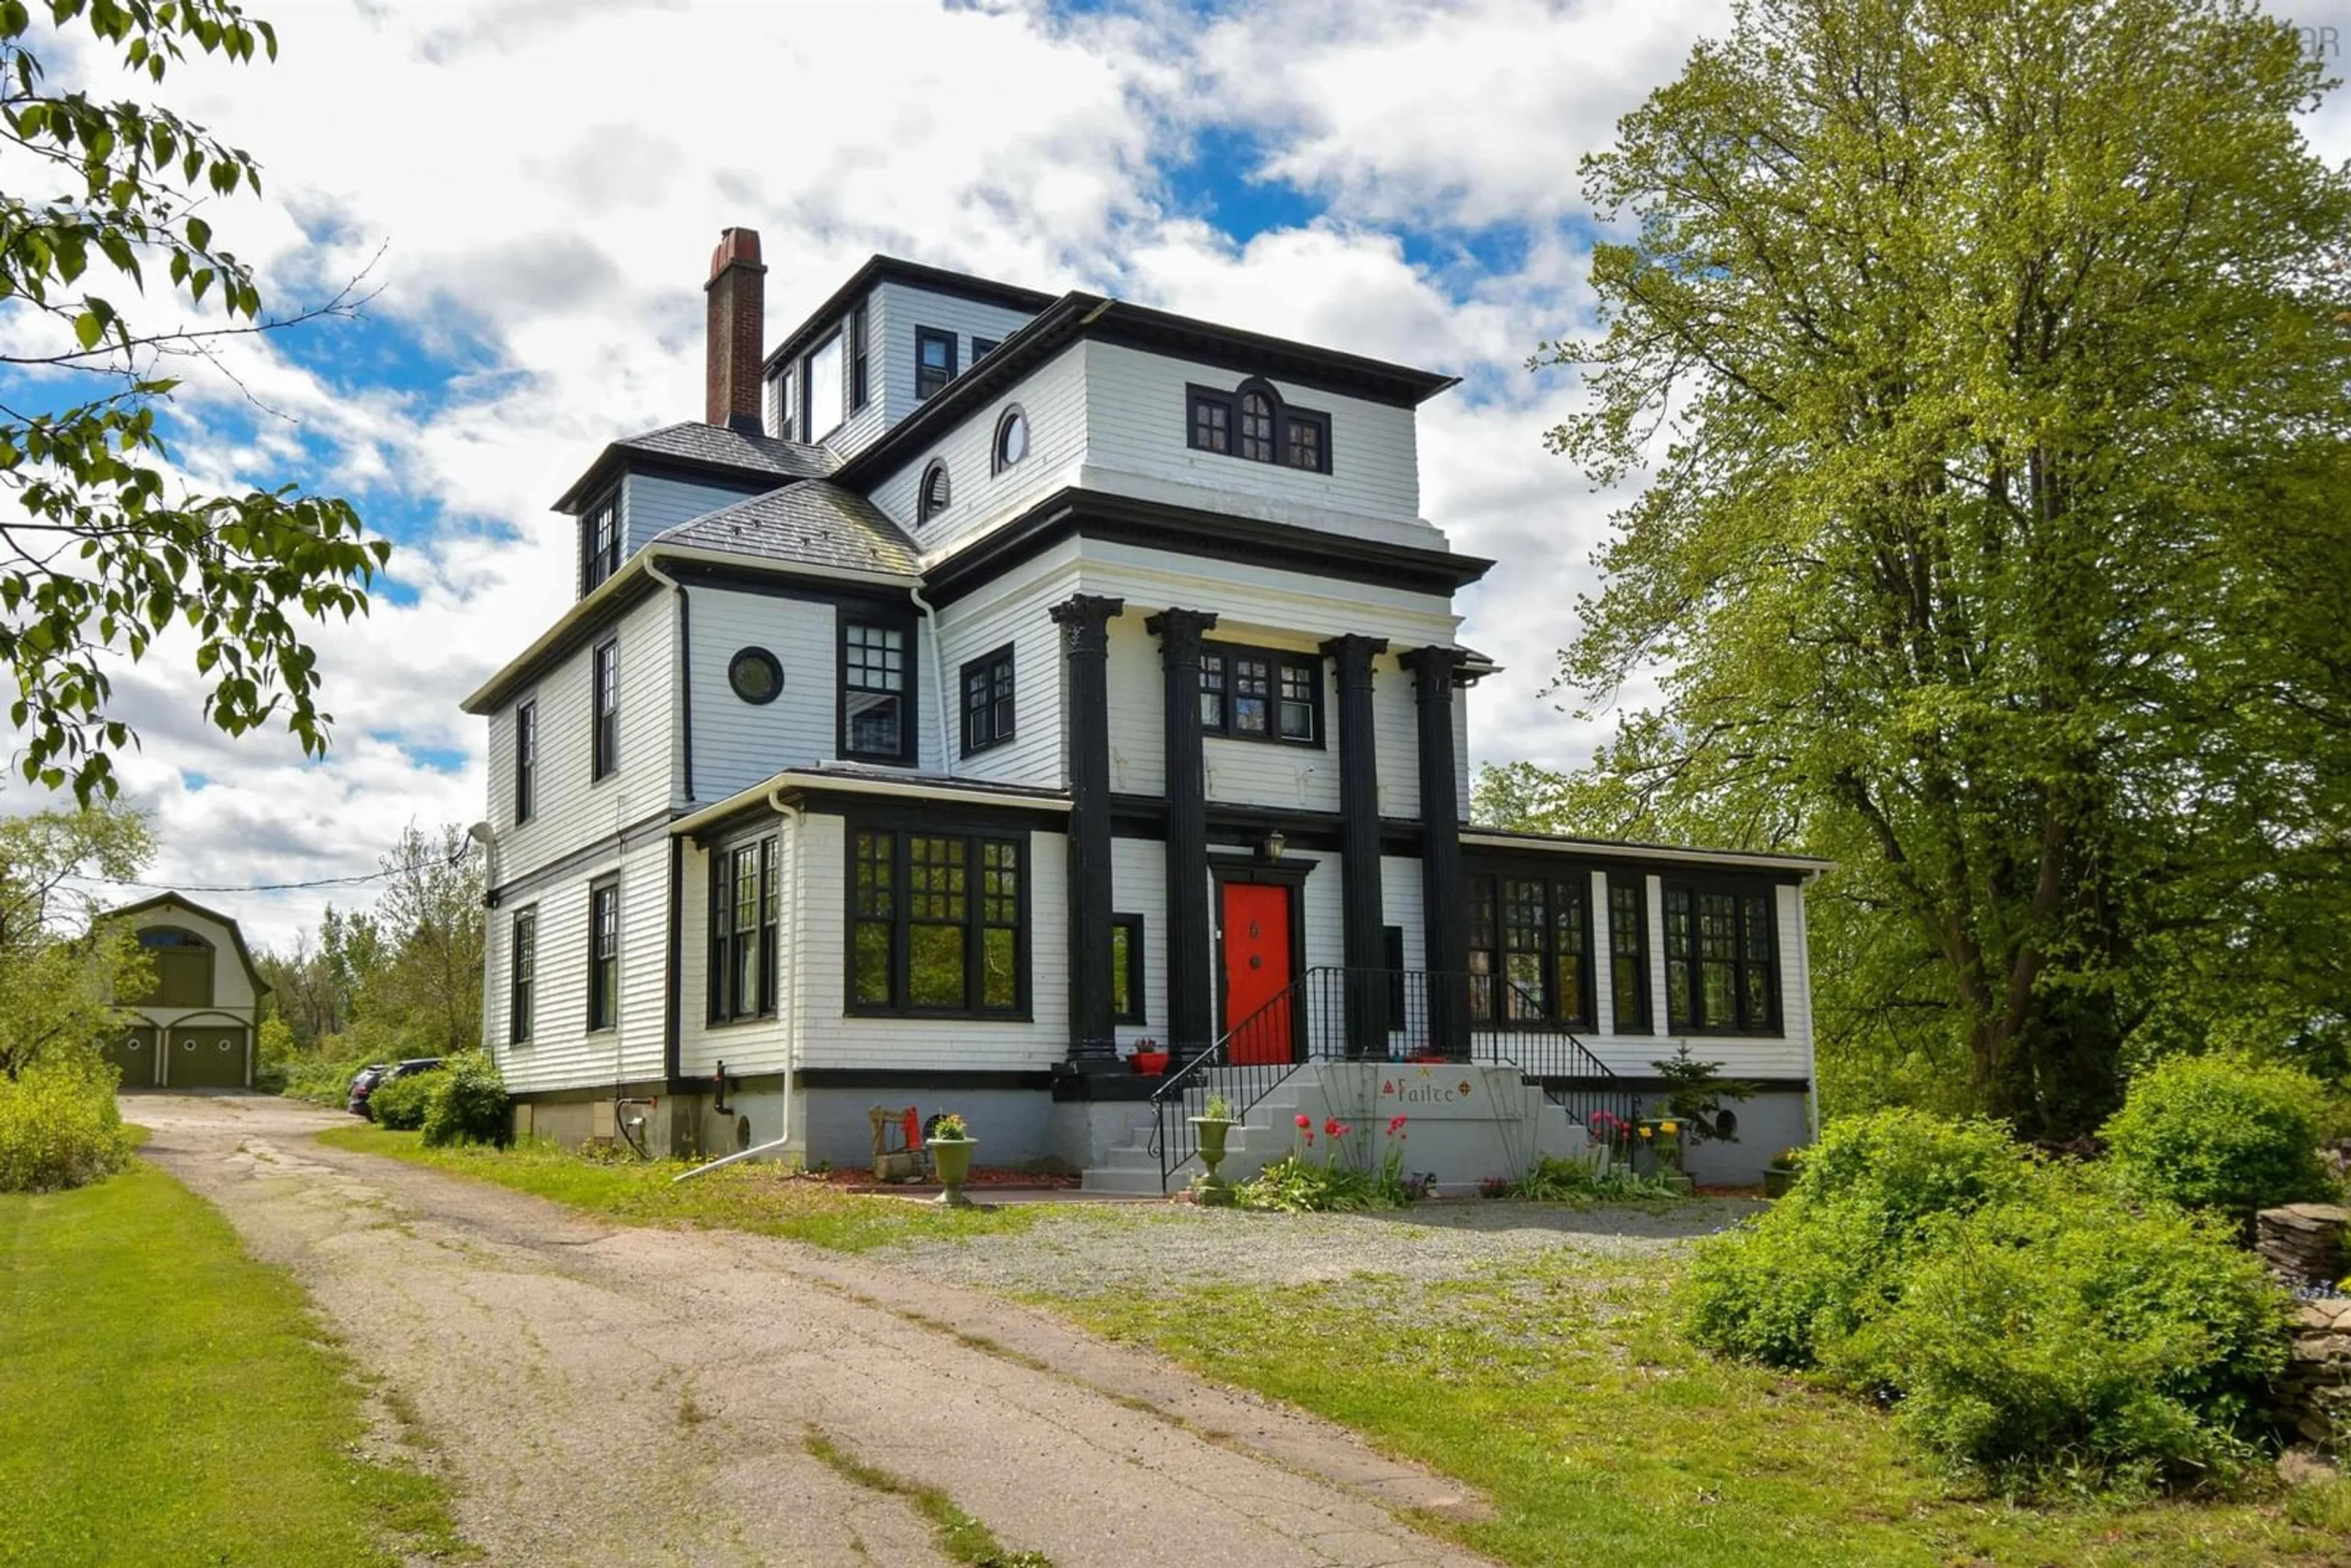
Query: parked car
x=362 y=1085
x=408 y=1068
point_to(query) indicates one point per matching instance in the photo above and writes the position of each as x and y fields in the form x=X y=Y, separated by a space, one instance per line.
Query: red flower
x=1395 y=1126
x=1334 y=1126
x=1304 y=1120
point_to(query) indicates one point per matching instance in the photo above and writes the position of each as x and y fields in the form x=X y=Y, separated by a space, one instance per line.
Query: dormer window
x=935 y=360
x=600 y=542
x=932 y=499
x=824 y=405
x=1251 y=422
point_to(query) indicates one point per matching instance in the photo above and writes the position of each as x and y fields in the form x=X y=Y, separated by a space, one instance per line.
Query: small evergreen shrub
x=400 y=1103
x=59 y=1126
x=2066 y=1335
x=2222 y=1133
x=1833 y=1252
x=468 y=1102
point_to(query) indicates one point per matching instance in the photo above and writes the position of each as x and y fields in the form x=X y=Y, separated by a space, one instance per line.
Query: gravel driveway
x=1089 y=1251
x=609 y=1395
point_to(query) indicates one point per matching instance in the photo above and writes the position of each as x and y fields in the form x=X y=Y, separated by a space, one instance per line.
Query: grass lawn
x=1560 y=1389
x=167 y=1399
x=749 y=1197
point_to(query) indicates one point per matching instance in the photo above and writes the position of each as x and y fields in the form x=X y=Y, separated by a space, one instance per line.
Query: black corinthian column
x=1085 y=620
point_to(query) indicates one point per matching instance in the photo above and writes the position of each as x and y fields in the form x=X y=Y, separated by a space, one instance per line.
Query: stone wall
x=2303 y=1245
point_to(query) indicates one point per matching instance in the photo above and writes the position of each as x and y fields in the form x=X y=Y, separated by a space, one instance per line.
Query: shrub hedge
x=2027 y=1323
x=59 y=1126
x=400 y=1103
x=468 y=1104
x=2222 y=1133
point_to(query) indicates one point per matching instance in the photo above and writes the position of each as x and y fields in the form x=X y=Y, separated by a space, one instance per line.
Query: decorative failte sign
x=1426 y=1088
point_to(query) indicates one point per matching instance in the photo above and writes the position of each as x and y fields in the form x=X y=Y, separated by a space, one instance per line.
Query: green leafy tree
x=1986 y=366
x=100 y=554
x=429 y=982
x=60 y=968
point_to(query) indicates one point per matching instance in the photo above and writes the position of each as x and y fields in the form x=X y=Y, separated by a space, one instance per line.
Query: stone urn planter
x=951 y=1148
x=1209 y=1187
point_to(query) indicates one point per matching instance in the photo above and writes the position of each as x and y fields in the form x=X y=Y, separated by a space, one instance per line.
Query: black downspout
x=1188 y=1032
x=1433 y=671
x=673 y=1024
x=1085 y=620
x=1361 y=920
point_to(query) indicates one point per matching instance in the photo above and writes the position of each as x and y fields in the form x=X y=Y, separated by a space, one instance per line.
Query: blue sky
x=533 y=190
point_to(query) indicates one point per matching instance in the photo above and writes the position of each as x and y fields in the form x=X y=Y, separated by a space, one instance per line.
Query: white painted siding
x=758 y=1045
x=1137 y=441
x=1016 y=610
x=737 y=744
x=902 y=309
x=1278 y=609
x=561 y=1053
x=652 y=502
x=831 y=1039
x=1138 y=875
x=571 y=811
x=1054 y=399
x=1461 y=752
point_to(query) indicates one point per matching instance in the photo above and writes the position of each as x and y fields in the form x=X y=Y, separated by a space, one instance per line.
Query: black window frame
x=888 y=906
x=599 y=554
x=522 y=975
x=861 y=388
x=989 y=713
x=1127 y=975
x=603 y=965
x=996 y=462
x=1631 y=960
x=983 y=346
x=1221 y=687
x=736 y=953
x=526 y=760
x=925 y=336
x=1497 y=906
x=934 y=477
x=604 y=710
x=752 y=656
x=909 y=705
x=1204 y=431
x=1755 y=913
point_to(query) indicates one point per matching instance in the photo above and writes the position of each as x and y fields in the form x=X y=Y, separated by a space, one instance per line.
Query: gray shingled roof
x=695 y=442
x=810 y=522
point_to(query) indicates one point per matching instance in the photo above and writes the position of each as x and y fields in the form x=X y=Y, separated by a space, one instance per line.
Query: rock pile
x=2302 y=1241
x=2313 y=1396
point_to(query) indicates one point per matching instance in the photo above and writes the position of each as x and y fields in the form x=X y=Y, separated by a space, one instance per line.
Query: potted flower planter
x=951 y=1158
x=1209 y=1187
x=1779 y=1175
x=1150 y=1064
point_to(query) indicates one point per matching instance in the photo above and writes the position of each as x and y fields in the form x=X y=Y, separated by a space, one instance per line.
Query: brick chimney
x=737 y=292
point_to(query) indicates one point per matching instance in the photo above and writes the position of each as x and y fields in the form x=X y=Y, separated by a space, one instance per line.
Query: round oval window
x=755 y=676
x=1012 y=441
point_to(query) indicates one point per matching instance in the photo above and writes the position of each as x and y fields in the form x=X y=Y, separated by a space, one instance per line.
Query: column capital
x=1179 y=631
x=1435 y=665
x=1354 y=652
x=1084 y=619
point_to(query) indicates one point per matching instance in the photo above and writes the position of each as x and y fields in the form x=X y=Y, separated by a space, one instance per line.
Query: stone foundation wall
x=2302 y=1243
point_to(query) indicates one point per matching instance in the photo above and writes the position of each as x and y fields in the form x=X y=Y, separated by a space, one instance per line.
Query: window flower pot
x=952 y=1160
x=1150 y=1064
x=1209 y=1187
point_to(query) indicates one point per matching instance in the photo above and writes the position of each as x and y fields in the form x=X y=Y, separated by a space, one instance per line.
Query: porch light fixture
x=1273 y=847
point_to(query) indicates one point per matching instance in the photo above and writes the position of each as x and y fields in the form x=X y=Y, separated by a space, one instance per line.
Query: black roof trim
x=881 y=269
x=1080 y=315
x=1100 y=515
x=693 y=448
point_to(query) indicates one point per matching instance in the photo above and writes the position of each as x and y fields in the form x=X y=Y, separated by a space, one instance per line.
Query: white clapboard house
x=995 y=685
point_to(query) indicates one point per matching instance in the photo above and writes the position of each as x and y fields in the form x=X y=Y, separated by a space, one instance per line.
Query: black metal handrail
x=1334 y=1014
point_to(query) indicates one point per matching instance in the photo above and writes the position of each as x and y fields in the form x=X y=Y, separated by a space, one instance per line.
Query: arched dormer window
x=1252 y=421
x=1011 y=444
x=931 y=498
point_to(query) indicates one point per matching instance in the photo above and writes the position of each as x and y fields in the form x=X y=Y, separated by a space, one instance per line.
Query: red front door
x=1258 y=972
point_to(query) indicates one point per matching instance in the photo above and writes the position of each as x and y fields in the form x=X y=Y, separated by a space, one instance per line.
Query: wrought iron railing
x=1333 y=1014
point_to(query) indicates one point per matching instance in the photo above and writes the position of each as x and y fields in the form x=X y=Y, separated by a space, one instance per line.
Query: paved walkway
x=610 y=1396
